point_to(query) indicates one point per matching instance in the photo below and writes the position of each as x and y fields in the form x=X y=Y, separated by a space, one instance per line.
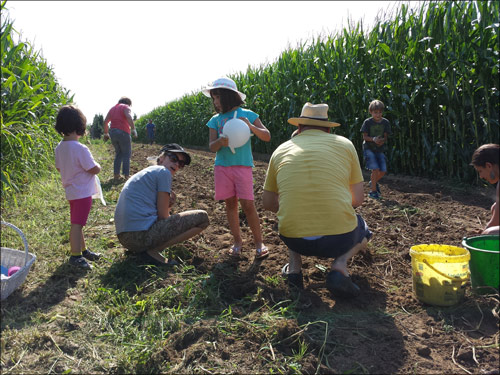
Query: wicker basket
x=11 y=257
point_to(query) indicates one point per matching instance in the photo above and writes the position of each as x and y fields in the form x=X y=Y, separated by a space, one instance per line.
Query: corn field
x=30 y=99
x=435 y=68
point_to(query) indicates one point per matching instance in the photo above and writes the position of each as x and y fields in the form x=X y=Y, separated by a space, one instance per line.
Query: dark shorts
x=162 y=231
x=329 y=246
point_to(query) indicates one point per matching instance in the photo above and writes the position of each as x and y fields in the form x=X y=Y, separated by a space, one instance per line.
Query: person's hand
x=224 y=140
x=173 y=197
x=246 y=121
x=105 y=137
x=379 y=141
x=134 y=132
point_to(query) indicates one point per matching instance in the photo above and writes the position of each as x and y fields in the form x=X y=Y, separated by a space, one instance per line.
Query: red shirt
x=118 y=118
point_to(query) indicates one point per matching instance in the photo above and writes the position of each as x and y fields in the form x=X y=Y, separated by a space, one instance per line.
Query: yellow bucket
x=440 y=273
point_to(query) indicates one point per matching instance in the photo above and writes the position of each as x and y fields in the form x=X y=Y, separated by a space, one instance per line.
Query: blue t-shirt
x=136 y=209
x=243 y=155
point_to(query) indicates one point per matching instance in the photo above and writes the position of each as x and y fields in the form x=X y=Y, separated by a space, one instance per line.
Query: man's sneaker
x=90 y=255
x=374 y=195
x=79 y=261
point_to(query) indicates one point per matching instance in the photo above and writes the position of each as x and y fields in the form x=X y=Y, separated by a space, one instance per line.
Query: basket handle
x=22 y=237
x=445 y=275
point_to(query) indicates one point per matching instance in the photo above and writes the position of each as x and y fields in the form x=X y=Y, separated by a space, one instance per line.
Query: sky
x=155 y=52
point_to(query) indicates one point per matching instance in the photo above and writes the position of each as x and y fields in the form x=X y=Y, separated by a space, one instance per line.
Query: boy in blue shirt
x=150 y=130
x=375 y=131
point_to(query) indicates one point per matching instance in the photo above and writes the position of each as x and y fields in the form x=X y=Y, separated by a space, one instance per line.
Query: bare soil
x=386 y=329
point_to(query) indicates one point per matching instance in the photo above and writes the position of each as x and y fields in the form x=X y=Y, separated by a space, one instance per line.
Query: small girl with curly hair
x=78 y=171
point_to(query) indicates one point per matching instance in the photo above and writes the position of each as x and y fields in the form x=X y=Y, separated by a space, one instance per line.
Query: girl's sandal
x=261 y=252
x=235 y=251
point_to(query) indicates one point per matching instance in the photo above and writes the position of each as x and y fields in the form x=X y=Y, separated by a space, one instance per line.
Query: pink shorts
x=79 y=210
x=235 y=181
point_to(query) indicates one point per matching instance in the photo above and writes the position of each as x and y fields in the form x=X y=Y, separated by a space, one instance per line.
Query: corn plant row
x=435 y=68
x=30 y=99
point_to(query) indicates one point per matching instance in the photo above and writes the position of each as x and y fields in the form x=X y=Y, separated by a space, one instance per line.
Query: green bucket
x=484 y=262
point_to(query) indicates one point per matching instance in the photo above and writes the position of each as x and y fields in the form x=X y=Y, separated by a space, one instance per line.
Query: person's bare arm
x=106 y=127
x=270 y=201
x=215 y=142
x=357 y=194
x=95 y=170
x=163 y=204
x=128 y=114
x=258 y=129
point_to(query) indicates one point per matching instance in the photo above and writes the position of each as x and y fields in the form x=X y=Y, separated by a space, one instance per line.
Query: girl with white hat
x=233 y=165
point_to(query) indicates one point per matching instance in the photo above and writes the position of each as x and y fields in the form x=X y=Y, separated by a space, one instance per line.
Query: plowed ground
x=386 y=329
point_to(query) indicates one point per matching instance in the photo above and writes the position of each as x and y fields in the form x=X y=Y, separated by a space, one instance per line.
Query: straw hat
x=313 y=114
x=223 y=83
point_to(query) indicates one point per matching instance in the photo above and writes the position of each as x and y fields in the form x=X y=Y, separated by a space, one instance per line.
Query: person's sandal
x=235 y=251
x=294 y=280
x=261 y=252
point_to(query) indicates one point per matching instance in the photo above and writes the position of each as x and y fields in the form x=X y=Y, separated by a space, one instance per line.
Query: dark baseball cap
x=174 y=147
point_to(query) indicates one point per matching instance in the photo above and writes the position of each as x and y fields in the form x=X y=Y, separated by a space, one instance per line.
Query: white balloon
x=237 y=131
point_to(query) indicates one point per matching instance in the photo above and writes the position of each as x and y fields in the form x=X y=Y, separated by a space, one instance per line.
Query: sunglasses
x=175 y=159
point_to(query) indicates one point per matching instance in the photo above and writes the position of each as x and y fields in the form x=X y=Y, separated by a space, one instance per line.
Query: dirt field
x=385 y=330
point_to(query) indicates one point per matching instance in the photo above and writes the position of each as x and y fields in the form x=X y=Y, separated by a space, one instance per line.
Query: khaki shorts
x=162 y=231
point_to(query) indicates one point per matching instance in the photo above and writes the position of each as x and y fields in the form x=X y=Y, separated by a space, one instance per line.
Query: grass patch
x=119 y=316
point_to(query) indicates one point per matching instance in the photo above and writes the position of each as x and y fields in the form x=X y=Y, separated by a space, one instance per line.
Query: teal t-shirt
x=243 y=155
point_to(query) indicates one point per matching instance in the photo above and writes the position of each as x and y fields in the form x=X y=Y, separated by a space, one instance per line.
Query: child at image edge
x=78 y=169
x=375 y=131
x=233 y=172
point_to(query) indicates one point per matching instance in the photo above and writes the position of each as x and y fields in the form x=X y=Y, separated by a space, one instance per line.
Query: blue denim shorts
x=375 y=160
x=329 y=246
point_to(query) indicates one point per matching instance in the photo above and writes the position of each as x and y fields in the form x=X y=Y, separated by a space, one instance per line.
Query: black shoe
x=293 y=279
x=80 y=262
x=150 y=260
x=90 y=255
x=341 y=286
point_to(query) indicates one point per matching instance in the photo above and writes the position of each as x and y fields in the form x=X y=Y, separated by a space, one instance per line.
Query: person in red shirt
x=119 y=131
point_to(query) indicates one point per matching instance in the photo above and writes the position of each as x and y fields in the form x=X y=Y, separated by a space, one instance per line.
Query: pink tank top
x=118 y=118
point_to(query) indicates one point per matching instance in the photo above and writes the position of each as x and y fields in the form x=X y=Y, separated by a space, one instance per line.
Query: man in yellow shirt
x=313 y=183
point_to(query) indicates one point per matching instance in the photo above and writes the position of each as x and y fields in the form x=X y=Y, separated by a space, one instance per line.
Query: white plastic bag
x=98 y=195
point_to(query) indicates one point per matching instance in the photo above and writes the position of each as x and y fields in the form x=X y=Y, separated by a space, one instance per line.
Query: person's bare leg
x=253 y=221
x=373 y=179
x=340 y=263
x=75 y=239
x=82 y=242
x=294 y=262
x=234 y=220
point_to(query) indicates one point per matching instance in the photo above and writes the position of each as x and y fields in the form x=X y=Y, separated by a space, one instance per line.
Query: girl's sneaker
x=79 y=261
x=374 y=195
x=90 y=255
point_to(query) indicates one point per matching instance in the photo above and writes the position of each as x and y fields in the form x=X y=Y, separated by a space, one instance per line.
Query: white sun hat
x=223 y=83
